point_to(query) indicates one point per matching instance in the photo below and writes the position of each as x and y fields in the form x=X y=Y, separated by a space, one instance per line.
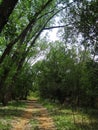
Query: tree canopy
x=69 y=68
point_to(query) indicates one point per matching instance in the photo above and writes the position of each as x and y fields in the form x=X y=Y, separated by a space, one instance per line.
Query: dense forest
x=63 y=71
x=68 y=73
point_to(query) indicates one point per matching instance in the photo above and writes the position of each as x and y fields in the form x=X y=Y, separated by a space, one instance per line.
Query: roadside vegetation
x=8 y=114
x=68 y=118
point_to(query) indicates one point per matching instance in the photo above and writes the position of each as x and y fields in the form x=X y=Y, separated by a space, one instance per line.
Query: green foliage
x=24 y=26
x=67 y=118
x=81 y=19
x=22 y=83
x=0 y=1
x=4 y=126
x=7 y=114
x=64 y=72
x=55 y=73
x=66 y=77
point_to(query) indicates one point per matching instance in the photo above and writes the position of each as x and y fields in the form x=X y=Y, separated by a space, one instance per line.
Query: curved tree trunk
x=6 y=8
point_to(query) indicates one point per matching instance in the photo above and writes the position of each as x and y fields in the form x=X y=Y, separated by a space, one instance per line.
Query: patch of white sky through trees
x=52 y=34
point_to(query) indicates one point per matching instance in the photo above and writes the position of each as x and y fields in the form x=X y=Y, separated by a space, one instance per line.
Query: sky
x=53 y=34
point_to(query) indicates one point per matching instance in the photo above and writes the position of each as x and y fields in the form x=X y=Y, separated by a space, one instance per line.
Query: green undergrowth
x=67 y=118
x=33 y=95
x=4 y=126
x=34 y=124
x=9 y=112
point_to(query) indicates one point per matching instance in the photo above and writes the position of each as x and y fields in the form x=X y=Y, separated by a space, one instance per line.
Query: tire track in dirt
x=34 y=111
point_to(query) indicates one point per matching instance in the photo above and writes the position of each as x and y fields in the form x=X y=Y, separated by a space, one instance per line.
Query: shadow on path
x=33 y=111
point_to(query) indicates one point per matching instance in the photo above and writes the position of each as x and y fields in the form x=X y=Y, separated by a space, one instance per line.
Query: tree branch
x=6 y=8
x=24 y=32
x=53 y=27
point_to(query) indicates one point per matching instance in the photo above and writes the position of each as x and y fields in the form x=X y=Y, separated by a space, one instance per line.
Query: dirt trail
x=34 y=111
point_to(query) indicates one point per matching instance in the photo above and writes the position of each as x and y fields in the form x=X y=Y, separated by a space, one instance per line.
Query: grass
x=65 y=118
x=72 y=119
x=4 y=126
x=9 y=112
x=34 y=124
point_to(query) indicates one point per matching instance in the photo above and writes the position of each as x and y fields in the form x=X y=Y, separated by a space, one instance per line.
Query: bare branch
x=53 y=27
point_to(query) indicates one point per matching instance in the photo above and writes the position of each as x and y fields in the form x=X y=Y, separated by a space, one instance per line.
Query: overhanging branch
x=53 y=27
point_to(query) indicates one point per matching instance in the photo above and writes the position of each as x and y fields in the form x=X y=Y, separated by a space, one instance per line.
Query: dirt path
x=34 y=111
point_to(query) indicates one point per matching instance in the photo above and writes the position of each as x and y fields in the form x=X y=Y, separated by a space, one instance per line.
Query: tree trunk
x=6 y=8
x=6 y=98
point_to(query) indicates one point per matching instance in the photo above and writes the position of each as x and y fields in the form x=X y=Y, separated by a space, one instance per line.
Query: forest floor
x=34 y=117
x=38 y=114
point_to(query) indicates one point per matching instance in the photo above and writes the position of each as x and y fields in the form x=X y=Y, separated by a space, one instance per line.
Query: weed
x=7 y=113
x=72 y=119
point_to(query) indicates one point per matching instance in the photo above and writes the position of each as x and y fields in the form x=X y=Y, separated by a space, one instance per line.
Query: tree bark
x=6 y=8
